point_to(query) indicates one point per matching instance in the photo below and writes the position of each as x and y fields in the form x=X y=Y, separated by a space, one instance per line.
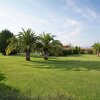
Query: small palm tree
x=25 y=41
x=56 y=48
x=96 y=47
x=48 y=43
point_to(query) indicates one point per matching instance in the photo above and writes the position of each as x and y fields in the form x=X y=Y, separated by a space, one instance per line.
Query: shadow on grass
x=76 y=55
x=75 y=65
x=9 y=93
x=31 y=56
x=34 y=56
x=2 y=77
x=6 y=91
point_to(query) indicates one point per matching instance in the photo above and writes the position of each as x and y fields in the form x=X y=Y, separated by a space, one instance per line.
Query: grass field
x=75 y=75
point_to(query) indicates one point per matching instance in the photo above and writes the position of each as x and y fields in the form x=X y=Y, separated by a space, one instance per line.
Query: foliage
x=67 y=52
x=49 y=45
x=76 y=50
x=82 y=51
x=71 y=51
x=96 y=47
x=89 y=51
x=25 y=41
x=56 y=48
x=4 y=36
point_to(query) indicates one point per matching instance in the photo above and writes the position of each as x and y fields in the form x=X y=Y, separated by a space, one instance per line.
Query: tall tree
x=49 y=43
x=96 y=47
x=4 y=36
x=25 y=41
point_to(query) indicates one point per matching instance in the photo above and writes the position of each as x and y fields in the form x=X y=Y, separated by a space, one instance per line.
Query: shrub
x=82 y=51
x=90 y=51
x=67 y=52
x=76 y=50
x=4 y=36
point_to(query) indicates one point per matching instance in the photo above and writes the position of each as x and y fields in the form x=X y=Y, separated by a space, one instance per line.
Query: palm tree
x=96 y=47
x=25 y=41
x=56 y=48
x=48 y=43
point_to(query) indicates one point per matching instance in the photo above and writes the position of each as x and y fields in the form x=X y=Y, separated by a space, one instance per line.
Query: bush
x=67 y=52
x=90 y=51
x=82 y=51
x=76 y=50
x=4 y=36
x=14 y=52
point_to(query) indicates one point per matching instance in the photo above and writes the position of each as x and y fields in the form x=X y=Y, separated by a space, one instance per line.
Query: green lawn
x=75 y=75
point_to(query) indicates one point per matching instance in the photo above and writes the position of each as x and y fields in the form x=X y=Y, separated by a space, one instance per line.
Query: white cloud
x=89 y=14
x=24 y=18
x=75 y=32
x=85 y=12
x=69 y=36
x=66 y=29
x=71 y=5
x=71 y=22
x=14 y=20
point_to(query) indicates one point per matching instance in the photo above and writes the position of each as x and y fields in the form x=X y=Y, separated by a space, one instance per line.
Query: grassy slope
x=77 y=75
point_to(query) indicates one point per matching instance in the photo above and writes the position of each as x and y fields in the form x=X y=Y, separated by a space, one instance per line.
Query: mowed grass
x=78 y=76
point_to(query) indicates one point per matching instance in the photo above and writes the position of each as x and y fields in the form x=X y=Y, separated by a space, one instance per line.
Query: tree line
x=45 y=44
x=28 y=41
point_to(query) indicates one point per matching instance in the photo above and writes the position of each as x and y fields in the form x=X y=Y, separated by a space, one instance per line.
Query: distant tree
x=4 y=36
x=76 y=50
x=48 y=43
x=96 y=47
x=90 y=51
x=25 y=41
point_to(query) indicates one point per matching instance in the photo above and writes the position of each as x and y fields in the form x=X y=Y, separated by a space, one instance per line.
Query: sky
x=75 y=22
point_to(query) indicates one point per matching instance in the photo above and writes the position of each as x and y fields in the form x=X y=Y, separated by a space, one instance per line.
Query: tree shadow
x=74 y=65
x=32 y=55
x=75 y=55
x=7 y=92
x=2 y=77
x=10 y=93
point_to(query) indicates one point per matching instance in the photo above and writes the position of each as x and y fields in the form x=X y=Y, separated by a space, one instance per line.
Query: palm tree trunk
x=98 y=53
x=46 y=54
x=27 y=56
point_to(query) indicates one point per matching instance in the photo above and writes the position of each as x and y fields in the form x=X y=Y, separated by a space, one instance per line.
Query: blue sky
x=75 y=22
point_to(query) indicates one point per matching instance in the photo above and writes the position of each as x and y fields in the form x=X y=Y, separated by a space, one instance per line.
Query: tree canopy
x=4 y=36
x=25 y=41
x=96 y=47
x=49 y=44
